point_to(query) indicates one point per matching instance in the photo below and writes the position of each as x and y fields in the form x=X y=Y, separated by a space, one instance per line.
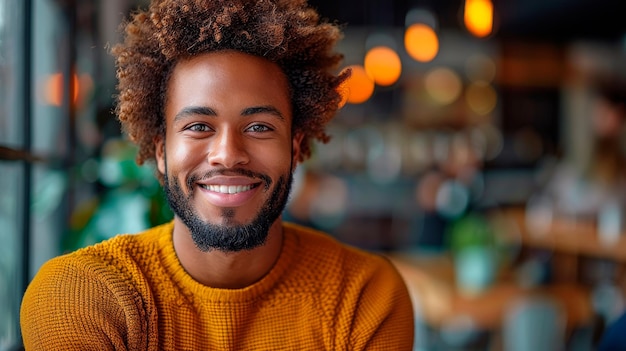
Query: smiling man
x=225 y=97
x=227 y=158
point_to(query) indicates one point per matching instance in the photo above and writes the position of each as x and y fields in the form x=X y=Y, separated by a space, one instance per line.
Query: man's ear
x=296 y=148
x=159 y=153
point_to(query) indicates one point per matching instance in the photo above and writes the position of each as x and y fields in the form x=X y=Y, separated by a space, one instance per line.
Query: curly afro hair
x=287 y=32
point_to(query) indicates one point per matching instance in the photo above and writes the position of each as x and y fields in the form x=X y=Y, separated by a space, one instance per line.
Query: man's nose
x=228 y=149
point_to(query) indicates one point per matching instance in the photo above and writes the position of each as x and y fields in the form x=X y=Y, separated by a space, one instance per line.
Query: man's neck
x=227 y=270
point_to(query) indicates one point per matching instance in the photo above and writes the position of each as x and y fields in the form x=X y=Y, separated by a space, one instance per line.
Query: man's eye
x=258 y=128
x=198 y=128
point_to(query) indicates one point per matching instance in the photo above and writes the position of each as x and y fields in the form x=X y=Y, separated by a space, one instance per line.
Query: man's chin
x=229 y=237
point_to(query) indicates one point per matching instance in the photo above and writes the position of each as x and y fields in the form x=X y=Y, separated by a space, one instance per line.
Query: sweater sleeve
x=384 y=317
x=80 y=303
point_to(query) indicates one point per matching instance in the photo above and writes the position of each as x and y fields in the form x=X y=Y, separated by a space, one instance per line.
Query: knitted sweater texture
x=131 y=293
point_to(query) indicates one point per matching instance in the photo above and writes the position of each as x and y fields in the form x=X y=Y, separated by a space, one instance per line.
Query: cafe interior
x=479 y=147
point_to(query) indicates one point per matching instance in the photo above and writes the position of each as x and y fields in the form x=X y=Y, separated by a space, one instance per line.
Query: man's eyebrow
x=194 y=111
x=207 y=111
x=262 y=109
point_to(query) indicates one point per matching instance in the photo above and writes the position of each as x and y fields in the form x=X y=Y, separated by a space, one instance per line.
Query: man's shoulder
x=104 y=285
x=126 y=245
x=116 y=254
x=318 y=248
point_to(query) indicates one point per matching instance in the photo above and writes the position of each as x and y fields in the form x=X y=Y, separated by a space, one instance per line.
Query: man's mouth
x=228 y=189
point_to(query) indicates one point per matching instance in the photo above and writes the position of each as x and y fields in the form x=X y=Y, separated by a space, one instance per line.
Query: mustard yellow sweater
x=131 y=293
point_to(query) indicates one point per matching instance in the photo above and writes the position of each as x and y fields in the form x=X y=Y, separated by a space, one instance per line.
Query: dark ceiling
x=545 y=20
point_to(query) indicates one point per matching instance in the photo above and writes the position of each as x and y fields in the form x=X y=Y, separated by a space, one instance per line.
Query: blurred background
x=479 y=146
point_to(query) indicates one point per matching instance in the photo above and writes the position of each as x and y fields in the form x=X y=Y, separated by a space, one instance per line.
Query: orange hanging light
x=421 y=42
x=478 y=17
x=383 y=65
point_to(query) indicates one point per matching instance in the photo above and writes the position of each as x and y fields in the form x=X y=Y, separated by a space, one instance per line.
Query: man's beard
x=229 y=236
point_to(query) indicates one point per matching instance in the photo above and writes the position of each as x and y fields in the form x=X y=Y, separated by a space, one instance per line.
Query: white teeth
x=229 y=189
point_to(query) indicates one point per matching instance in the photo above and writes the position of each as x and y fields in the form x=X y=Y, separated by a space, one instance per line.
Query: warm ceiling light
x=358 y=88
x=478 y=17
x=421 y=42
x=383 y=65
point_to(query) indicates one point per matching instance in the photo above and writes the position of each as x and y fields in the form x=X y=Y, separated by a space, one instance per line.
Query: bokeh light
x=481 y=97
x=421 y=42
x=53 y=90
x=358 y=88
x=478 y=17
x=383 y=65
x=443 y=85
x=452 y=199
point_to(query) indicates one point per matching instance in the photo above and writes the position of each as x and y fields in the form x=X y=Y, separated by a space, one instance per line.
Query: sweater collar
x=197 y=292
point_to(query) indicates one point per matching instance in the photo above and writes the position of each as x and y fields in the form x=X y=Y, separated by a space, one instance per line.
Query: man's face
x=228 y=153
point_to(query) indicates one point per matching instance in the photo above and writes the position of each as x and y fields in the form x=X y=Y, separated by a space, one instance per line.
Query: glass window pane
x=10 y=252
x=50 y=130
x=11 y=186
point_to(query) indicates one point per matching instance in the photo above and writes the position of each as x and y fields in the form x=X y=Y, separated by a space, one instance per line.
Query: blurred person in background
x=594 y=192
x=225 y=97
x=583 y=193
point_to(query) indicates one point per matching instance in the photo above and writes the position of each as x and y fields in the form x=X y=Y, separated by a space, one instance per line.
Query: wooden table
x=431 y=281
x=568 y=236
